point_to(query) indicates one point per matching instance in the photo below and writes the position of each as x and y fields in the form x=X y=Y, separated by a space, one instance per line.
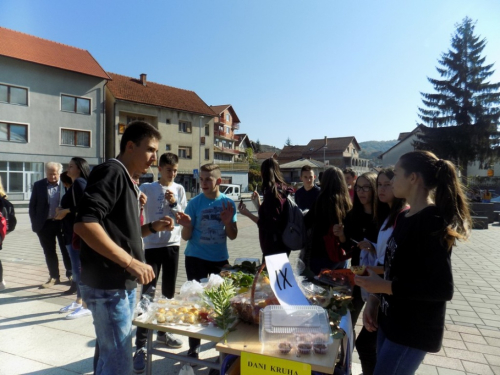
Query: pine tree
x=463 y=115
x=288 y=142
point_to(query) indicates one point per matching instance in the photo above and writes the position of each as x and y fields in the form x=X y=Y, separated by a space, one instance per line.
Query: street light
x=199 y=159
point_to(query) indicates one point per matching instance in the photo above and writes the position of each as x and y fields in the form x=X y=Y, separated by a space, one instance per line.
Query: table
x=209 y=333
x=246 y=339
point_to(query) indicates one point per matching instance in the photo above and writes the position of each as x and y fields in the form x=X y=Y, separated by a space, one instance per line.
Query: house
x=341 y=152
x=261 y=156
x=243 y=143
x=405 y=144
x=291 y=170
x=51 y=108
x=227 y=152
x=184 y=120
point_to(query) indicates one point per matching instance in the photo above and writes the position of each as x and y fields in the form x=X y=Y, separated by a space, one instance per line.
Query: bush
x=250 y=187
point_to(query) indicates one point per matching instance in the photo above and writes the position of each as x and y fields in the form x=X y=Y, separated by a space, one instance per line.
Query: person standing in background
x=350 y=179
x=7 y=211
x=307 y=194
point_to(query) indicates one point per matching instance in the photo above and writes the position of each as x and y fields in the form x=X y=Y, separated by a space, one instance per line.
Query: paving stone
x=496 y=369
x=463 y=329
x=445 y=362
x=493 y=342
x=489 y=316
x=426 y=370
x=471 y=314
x=480 y=348
x=493 y=359
x=490 y=333
x=465 y=355
x=473 y=338
x=456 y=343
x=452 y=335
x=477 y=368
x=447 y=371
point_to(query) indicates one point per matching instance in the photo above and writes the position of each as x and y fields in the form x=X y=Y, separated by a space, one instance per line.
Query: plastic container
x=305 y=328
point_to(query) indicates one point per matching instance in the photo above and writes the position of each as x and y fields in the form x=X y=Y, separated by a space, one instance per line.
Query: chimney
x=326 y=139
x=143 y=79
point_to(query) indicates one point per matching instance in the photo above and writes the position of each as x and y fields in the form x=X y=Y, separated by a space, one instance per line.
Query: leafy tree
x=249 y=153
x=463 y=115
x=288 y=142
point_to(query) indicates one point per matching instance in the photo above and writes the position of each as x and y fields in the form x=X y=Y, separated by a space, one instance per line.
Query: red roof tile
x=265 y=155
x=45 y=52
x=220 y=108
x=131 y=89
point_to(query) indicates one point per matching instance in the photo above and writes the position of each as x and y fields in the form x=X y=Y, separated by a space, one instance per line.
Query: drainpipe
x=103 y=159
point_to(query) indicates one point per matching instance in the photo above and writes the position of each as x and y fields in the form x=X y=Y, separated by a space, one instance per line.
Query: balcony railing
x=223 y=134
x=226 y=150
x=226 y=166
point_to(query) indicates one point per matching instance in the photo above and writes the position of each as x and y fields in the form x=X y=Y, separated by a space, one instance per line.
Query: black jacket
x=112 y=200
x=7 y=210
x=39 y=204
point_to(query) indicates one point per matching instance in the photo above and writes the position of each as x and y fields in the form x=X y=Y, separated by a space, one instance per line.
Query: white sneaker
x=2 y=285
x=71 y=307
x=79 y=313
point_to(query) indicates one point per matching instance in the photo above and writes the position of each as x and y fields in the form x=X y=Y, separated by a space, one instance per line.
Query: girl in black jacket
x=410 y=311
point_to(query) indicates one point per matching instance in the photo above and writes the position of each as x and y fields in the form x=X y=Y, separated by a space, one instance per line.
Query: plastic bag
x=186 y=369
x=191 y=289
x=214 y=281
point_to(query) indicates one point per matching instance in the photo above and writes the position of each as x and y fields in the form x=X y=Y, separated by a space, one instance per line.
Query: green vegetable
x=221 y=300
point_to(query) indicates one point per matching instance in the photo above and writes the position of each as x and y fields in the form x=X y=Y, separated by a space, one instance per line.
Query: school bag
x=294 y=236
x=3 y=229
x=7 y=211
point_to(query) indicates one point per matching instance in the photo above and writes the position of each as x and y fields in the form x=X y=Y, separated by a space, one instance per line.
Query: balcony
x=224 y=135
x=225 y=166
x=226 y=150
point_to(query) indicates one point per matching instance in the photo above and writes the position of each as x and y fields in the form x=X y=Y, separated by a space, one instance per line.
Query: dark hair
x=333 y=202
x=271 y=176
x=306 y=168
x=349 y=171
x=320 y=176
x=65 y=179
x=357 y=207
x=168 y=158
x=385 y=211
x=211 y=167
x=136 y=131
x=83 y=166
x=449 y=194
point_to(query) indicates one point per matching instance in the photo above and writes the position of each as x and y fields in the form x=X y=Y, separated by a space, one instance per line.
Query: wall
x=44 y=116
x=392 y=156
x=238 y=178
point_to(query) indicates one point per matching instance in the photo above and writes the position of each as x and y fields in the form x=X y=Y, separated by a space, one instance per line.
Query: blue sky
x=296 y=68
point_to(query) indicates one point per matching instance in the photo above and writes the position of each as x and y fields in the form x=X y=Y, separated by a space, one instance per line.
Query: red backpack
x=3 y=228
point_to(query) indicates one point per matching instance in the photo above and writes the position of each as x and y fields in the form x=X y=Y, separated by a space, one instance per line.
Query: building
x=405 y=144
x=184 y=120
x=261 y=156
x=51 y=108
x=342 y=152
x=227 y=152
x=291 y=170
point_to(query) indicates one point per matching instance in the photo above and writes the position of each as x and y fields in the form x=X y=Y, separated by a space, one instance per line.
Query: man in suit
x=45 y=199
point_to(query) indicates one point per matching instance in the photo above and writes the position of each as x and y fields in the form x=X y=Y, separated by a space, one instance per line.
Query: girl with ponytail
x=409 y=306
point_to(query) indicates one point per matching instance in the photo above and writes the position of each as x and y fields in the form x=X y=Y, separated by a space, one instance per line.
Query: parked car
x=231 y=191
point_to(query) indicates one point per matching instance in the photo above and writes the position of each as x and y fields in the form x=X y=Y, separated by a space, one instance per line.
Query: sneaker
x=79 y=313
x=2 y=285
x=51 y=282
x=71 y=307
x=170 y=340
x=140 y=360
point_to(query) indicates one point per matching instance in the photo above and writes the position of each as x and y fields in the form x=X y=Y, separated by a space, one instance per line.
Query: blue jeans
x=396 y=359
x=75 y=267
x=112 y=311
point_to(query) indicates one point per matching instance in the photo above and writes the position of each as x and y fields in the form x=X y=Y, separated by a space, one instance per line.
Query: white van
x=231 y=191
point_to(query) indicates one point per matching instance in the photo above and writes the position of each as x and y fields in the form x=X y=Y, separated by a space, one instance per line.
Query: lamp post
x=199 y=158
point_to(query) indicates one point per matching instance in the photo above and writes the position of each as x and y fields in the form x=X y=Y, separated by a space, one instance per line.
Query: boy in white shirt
x=164 y=198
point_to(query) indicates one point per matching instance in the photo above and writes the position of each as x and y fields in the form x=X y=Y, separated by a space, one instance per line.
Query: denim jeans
x=112 y=311
x=396 y=359
x=75 y=267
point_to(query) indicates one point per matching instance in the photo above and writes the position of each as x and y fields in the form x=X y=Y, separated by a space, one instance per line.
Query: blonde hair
x=211 y=168
x=3 y=194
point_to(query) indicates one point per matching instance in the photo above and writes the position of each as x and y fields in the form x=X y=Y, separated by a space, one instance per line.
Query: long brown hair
x=357 y=207
x=271 y=176
x=385 y=211
x=333 y=202
x=449 y=194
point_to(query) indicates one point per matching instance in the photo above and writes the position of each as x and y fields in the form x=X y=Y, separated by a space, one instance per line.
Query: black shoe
x=140 y=360
x=193 y=353
x=71 y=290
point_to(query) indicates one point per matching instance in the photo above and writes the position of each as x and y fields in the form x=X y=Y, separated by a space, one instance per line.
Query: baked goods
x=358 y=270
x=285 y=347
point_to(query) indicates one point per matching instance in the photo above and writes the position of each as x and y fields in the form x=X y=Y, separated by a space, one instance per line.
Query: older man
x=45 y=198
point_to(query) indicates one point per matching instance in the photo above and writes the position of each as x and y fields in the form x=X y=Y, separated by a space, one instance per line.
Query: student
x=330 y=208
x=209 y=219
x=418 y=278
x=373 y=254
x=350 y=179
x=164 y=198
x=8 y=212
x=307 y=194
x=112 y=254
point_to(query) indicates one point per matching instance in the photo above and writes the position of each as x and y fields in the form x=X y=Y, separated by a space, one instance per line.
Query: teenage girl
x=330 y=208
x=417 y=272
x=388 y=208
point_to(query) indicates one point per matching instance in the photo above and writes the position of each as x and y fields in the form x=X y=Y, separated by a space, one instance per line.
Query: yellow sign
x=256 y=364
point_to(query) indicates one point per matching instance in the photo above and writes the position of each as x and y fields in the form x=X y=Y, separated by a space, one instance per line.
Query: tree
x=288 y=142
x=257 y=146
x=463 y=115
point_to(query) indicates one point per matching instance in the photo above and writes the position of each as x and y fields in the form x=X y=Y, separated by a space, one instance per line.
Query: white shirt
x=157 y=207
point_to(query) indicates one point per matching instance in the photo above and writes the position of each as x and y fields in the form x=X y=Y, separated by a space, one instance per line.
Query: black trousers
x=51 y=230
x=197 y=269
x=168 y=258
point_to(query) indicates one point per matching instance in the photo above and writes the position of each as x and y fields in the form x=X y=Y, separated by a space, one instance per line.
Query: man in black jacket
x=112 y=253
x=45 y=198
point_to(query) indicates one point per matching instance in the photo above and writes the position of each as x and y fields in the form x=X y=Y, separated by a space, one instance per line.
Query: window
x=77 y=138
x=184 y=127
x=228 y=117
x=13 y=95
x=228 y=130
x=207 y=129
x=168 y=147
x=13 y=132
x=184 y=152
x=167 y=121
x=75 y=104
x=207 y=154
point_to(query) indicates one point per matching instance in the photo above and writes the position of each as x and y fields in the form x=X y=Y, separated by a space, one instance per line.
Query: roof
x=265 y=155
x=332 y=144
x=132 y=89
x=408 y=135
x=302 y=162
x=291 y=152
x=243 y=138
x=30 y=48
x=403 y=135
x=221 y=108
